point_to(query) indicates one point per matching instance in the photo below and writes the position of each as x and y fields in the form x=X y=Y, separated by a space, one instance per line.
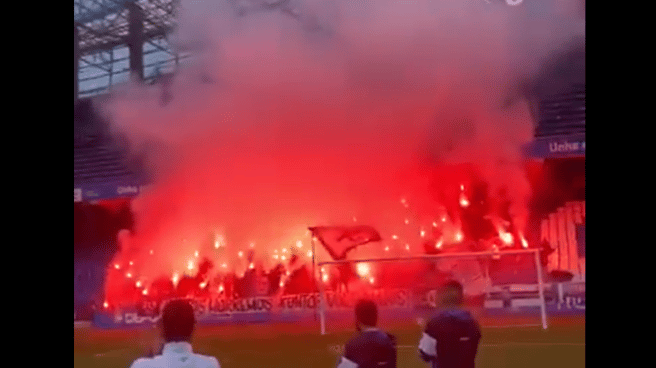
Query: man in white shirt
x=177 y=325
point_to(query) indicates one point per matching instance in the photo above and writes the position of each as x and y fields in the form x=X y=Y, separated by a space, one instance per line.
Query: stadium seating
x=95 y=157
x=559 y=229
x=563 y=114
x=99 y=163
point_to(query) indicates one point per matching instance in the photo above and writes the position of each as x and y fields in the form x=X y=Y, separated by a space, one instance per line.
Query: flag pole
x=314 y=272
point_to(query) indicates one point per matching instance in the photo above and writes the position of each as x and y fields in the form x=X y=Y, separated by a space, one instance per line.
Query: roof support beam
x=135 y=40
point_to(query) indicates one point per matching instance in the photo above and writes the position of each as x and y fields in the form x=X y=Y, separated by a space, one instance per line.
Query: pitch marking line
x=113 y=353
x=514 y=343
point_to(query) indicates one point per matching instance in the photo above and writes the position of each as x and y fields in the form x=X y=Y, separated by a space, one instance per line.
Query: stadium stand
x=88 y=281
x=97 y=161
x=563 y=115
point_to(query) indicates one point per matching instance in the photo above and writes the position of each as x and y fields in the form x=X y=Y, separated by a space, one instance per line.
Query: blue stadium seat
x=99 y=163
x=563 y=114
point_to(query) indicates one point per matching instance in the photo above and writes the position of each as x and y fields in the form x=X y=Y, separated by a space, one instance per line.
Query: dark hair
x=452 y=293
x=366 y=312
x=178 y=321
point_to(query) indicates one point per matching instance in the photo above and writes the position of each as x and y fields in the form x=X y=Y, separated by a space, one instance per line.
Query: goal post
x=409 y=274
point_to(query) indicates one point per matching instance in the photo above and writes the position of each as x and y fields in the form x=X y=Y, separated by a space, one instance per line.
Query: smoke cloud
x=330 y=112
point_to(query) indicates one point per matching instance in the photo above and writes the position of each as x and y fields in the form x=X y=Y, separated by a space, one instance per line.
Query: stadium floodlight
x=494 y=270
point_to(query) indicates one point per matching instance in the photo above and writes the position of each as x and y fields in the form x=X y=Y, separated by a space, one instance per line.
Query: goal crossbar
x=535 y=252
x=444 y=255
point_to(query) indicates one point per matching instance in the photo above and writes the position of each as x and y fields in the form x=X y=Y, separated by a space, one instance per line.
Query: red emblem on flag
x=339 y=240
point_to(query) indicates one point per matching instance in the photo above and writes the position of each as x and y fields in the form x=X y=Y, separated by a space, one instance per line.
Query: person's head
x=366 y=314
x=178 y=321
x=452 y=294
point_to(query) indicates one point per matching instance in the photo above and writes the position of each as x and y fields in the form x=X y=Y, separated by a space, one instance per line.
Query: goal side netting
x=502 y=289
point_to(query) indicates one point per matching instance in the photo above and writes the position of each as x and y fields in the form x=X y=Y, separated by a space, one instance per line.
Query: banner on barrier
x=298 y=307
x=556 y=147
x=91 y=192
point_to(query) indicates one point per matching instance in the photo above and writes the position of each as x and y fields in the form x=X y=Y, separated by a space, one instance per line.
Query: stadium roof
x=103 y=24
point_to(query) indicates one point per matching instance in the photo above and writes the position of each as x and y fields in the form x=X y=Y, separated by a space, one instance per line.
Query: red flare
x=464 y=202
x=506 y=237
x=219 y=241
x=524 y=242
x=363 y=269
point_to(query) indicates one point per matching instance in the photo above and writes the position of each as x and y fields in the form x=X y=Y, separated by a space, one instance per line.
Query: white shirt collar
x=181 y=347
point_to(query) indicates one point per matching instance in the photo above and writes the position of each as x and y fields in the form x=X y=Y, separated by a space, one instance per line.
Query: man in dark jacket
x=372 y=348
x=451 y=338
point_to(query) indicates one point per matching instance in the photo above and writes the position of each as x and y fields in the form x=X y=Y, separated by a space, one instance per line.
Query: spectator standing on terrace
x=177 y=326
x=546 y=250
x=372 y=348
x=450 y=339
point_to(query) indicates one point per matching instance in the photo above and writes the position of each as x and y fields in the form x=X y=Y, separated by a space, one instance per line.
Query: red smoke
x=381 y=119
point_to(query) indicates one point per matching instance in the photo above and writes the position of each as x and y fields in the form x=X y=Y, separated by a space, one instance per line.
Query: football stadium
x=271 y=164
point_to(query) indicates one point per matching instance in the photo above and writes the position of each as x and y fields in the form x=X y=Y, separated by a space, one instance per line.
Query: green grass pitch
x=562 y=345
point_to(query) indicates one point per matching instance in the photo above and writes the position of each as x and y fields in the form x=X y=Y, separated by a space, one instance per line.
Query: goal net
x=502 y=289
